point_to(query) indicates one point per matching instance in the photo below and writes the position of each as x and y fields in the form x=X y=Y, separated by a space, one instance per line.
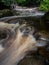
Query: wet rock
x=45 y=21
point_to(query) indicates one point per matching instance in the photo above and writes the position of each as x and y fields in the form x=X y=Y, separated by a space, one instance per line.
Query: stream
x=36 y=15
x=23 y=44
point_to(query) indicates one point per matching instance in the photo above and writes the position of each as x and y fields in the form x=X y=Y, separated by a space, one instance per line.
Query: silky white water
x=19 y=46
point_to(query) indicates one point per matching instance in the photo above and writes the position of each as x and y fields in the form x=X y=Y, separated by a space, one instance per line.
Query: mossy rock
x=8 y=12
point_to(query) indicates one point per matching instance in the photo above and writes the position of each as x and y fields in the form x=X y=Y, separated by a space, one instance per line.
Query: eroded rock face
x=19 y=40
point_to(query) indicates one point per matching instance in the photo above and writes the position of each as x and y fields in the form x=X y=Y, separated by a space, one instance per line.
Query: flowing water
x=18 y=44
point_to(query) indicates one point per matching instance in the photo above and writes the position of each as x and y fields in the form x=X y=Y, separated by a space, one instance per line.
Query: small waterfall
x=19 y=47
x=19 y=43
